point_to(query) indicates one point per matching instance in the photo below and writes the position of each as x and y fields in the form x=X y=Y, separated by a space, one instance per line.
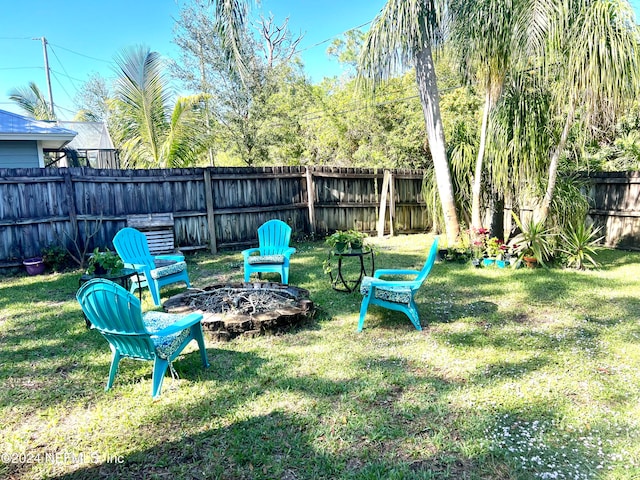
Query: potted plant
x=104 y=263
x=478 y=240
x=533 y=243
x=341 y=241
x=493 y=251
x=356 y=239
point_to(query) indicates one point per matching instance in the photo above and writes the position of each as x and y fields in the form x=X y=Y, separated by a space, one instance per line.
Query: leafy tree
x=92 y=99
x=251 y=116
x=347 y=49
x=345 y=127
x=32 y=101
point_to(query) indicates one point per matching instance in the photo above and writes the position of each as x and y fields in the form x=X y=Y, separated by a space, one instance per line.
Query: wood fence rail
x=215 y=208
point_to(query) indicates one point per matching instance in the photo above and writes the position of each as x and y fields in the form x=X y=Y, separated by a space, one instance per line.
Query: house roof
x=17 y=127
x=91 y=135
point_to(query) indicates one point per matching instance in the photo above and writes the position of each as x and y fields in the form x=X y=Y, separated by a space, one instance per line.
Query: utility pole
x=46 y=70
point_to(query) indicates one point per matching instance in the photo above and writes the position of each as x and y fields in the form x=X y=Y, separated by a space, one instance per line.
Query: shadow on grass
x=275 y=445
x=285 y=445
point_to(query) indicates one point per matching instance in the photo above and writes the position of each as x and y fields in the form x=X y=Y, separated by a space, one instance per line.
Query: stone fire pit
x=250 y=309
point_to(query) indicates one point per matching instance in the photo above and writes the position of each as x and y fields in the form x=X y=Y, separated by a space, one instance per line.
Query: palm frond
x=604 y=62
x=141 y=89
x=402 y=28
x=32 y=101
x=230 y=19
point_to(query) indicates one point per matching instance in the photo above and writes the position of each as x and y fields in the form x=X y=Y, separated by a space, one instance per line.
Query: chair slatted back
x=117 y=315
x=132 y=246
x=274 y=237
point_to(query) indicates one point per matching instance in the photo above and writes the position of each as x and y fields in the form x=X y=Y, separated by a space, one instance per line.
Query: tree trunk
x=429 y=98
x=545 y=208
x=476 y=216
x=497 y=216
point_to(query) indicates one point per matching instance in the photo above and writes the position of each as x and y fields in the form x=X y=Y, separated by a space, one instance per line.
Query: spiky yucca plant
x=578 y=243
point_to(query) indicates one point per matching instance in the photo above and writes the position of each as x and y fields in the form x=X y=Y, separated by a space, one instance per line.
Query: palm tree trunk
x=545 y=208
x=428 y=89
x=476 y=218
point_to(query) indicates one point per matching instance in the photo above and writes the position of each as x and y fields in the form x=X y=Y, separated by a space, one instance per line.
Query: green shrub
x=578 y=242
x=56 y=257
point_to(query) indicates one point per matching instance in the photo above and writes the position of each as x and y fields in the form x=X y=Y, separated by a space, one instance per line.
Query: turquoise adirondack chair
x=272 y=254
x=396 y=295
x=155 y=336
x=154 y=271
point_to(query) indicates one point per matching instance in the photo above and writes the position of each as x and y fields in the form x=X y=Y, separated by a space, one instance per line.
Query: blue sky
x=85 y=35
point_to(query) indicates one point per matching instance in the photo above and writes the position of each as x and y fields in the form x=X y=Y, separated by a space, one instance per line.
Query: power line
x=68 y=76
x=81 y=54
x=331 y=38
x=73 y=112
x=62 y=86
x=64 y=69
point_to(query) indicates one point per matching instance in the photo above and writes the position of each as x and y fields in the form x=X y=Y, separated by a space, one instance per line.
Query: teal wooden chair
x=154 y=271
x=396 y=294
x=156 y=336
x=273 y=252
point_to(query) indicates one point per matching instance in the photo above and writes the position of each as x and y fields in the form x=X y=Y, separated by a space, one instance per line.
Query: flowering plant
x=478 y=247
x=496 y=248
x=478 y=241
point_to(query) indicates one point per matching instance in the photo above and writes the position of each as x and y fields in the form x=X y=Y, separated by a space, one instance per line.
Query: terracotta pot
x=530 y=262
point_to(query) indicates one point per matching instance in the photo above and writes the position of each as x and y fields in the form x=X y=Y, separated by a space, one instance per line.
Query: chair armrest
x=289 y=251
x=379 y=273
x=180 y=325
x=249 y=251
x=393 y=283
x=169 y=257
x=139 y=267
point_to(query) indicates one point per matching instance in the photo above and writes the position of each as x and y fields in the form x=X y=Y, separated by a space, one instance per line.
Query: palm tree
x=594 y=56
x=149 y=132
x=230 y=19
x=32 y=101
x=485 y=34
x=402 y=35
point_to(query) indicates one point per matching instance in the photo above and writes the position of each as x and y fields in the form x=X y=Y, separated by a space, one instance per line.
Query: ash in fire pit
x=248 y=309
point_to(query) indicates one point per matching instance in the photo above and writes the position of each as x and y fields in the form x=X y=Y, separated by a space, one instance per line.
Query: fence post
x=392 y=202
x=71 y=201
x=382 y=212
x=311 y=195
x=211 y=218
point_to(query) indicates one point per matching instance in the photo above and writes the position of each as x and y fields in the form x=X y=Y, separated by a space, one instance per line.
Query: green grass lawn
x=517 y=374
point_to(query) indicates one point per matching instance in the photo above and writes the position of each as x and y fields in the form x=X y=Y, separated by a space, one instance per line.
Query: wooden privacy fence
x=615 y=206
x=216 y=208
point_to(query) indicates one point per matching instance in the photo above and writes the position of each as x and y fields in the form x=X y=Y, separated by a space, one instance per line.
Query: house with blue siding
x=24 y=140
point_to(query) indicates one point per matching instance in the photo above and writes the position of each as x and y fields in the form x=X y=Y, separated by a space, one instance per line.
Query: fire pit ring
x=244 y=308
